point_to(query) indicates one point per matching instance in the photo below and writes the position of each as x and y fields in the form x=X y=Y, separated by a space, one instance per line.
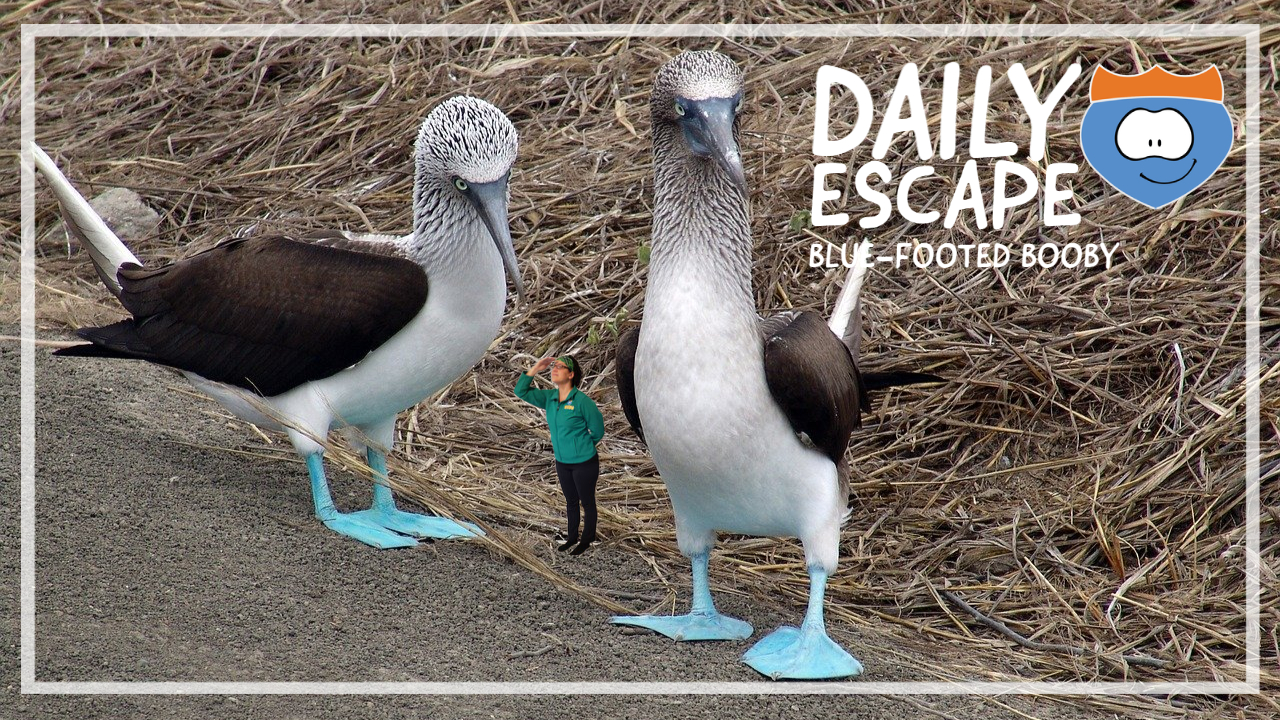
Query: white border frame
x=1250 y=33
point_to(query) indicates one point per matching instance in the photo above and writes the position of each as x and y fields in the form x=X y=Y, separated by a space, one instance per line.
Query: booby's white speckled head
x=696 y=75
x=468 y=138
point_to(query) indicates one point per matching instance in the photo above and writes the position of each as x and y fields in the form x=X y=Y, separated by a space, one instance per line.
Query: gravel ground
x=162 y=554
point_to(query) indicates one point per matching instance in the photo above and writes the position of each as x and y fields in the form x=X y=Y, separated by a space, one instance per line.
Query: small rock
x=125 y=213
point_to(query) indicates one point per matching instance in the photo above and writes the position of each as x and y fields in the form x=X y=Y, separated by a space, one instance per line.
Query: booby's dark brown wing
x=814 y=380
x=266 y=314
x=624 y=369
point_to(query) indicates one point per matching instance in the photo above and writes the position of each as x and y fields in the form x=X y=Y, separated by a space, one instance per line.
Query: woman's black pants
x=578 y=481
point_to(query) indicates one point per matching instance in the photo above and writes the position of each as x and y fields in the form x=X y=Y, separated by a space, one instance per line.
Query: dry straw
x=1072 y=496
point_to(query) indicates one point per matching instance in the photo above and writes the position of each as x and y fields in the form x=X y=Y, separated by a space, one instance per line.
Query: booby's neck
x=701 y=230
x=451 y=242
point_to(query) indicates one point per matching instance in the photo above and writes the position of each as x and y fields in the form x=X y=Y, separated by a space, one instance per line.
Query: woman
x=576 y=426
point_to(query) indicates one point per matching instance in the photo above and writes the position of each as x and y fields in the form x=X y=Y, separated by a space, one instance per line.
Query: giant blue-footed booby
x=306 y=334
x=747 y=419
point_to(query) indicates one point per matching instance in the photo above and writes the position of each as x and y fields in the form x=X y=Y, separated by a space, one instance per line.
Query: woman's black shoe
x=567 y=545
x=582 y=547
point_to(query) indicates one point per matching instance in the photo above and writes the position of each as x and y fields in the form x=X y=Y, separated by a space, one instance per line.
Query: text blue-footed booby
x=310 y=333
x=747 y=419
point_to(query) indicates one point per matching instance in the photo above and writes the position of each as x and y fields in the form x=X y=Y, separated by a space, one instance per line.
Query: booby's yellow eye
x=679 y=109
x=460 y=184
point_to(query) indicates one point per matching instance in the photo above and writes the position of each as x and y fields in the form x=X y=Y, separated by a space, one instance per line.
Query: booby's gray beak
x=490 y=200
x=708 y=126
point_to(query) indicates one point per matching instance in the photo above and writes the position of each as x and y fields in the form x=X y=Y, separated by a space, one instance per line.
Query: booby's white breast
x=725 y=450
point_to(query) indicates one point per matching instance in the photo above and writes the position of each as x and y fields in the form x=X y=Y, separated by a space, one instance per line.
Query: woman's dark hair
x=574 y=366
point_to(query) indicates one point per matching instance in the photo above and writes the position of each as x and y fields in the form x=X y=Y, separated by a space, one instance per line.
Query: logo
x=1156 y=136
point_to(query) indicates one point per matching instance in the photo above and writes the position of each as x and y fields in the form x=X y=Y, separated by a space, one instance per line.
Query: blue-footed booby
x=747 y=419
x=311 y=333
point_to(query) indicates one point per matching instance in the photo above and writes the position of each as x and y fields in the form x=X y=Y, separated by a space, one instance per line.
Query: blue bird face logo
x=1156 y=136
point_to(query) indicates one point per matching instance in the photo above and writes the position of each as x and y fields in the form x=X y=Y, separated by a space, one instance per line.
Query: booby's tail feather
x=107 y=250
x=846 y=318
x=846 y=323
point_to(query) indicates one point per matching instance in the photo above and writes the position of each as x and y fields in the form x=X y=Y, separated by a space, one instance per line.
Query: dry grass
x=1079 y=478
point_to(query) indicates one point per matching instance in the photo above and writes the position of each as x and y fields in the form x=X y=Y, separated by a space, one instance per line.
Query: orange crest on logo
x=1156 y=82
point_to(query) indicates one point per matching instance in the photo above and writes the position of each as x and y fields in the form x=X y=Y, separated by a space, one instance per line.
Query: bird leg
x=702 y=622
x=384 y=513
x=804 y=653
x=348 y=524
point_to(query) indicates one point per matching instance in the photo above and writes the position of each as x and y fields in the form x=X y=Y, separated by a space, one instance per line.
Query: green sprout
x=800 y=220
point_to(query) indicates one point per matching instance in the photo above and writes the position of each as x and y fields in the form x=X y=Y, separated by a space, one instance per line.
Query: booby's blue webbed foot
x=356 y=527
x=790 y=653
x=806 y=652
x=381 y=526
x=420 y=526
x=384 y=513
x=702 y=622
x=694 y=626
x=350 y=524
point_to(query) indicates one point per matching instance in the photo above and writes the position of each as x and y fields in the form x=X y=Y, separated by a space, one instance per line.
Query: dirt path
x=162 y=556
